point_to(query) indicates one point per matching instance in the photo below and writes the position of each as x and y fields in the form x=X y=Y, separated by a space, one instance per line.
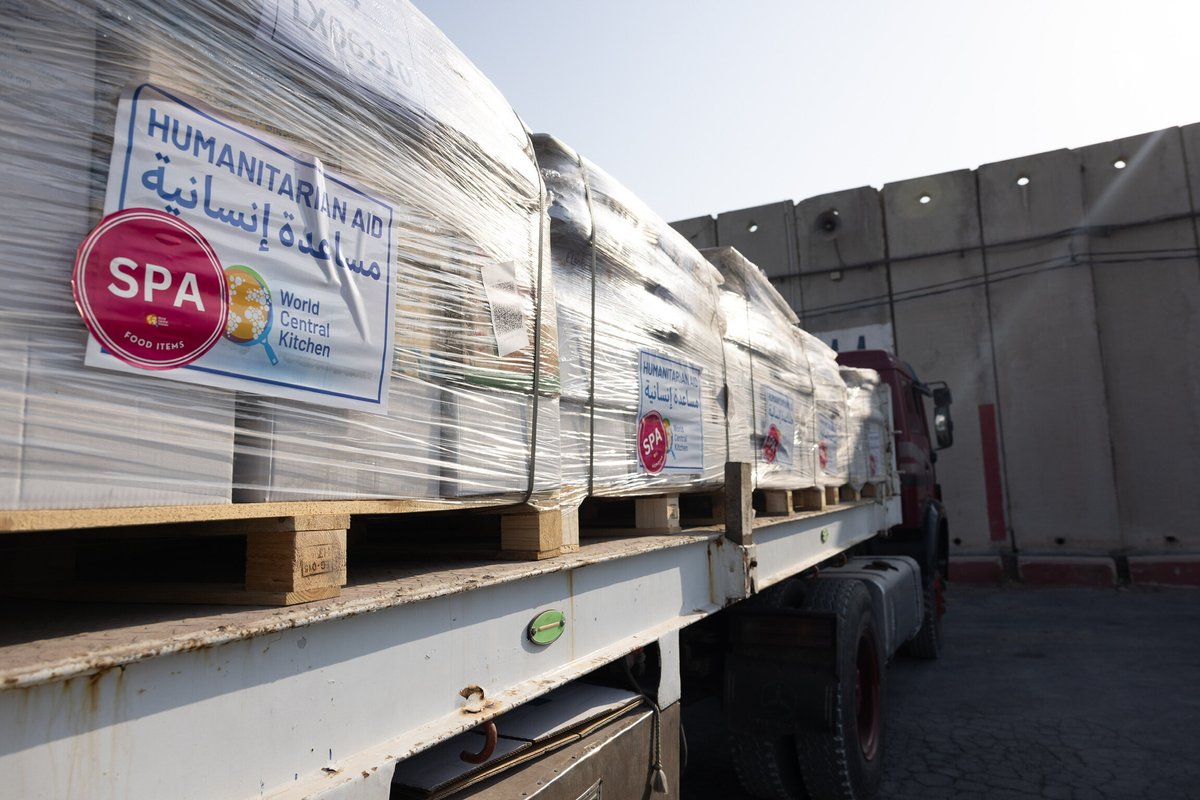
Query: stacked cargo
x=868 y=414
x=639 y=326
x=388 y=324
x=769 y=403
x=72 y=436
x=829 y=455
x=365 y=202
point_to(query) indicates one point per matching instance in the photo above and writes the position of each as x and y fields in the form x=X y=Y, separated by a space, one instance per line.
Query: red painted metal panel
x=997 y=527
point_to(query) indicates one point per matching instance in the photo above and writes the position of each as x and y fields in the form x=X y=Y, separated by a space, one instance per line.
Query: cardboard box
x=486 y=439
x=291 y=451
x=73 y=436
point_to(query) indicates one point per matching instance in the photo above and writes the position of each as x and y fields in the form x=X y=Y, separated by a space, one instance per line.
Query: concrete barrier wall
x=700 y=231
x=1059 y=468
x=1059 y=297
x=767 y=236
x=843 y=276
x=1147 y=279
x=940 y=301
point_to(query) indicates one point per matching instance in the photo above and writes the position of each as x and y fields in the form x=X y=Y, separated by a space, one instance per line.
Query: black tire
x=846 y=763
x=766 y=766
x=927 y=644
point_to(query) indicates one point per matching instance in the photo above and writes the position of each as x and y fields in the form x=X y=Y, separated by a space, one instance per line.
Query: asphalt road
x=1060 y=693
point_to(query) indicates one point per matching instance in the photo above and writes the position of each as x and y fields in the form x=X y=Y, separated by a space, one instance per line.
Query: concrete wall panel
x=764 y=234
x=842 y=250
x=790 y=286
x=840 y=229
x=1082 y=283
x=941 y=320
x=931 y=214
x=1191 y=153
x=854 y=298
x=1058 y=465
x=700 y=231
x=1147 y=282
x=1151 y=185
x=1186 y=541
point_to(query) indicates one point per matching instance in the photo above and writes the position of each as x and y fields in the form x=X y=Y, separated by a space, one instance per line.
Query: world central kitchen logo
x=252 y=316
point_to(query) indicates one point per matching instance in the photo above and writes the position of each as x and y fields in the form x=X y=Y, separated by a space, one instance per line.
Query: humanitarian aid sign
x=670 y=418
x=778 y=428
x=306 y=256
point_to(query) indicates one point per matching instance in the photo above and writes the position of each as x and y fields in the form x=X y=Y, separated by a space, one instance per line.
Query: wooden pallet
x=256 y=553
x=509 y=533
x=270 y=561
x=784 y=502
x=286 y=553
x=538 y=534
x=848 y=494
x=652 y=515
x=776 y=502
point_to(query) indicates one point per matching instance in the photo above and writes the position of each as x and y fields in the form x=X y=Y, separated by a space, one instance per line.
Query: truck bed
x=322 y=699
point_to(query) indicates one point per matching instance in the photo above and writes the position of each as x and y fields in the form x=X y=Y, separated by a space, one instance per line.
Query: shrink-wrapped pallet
x=72 y=436
x=770 y=404
x=868 y=416
x=640 y=343
x=827 y=447
x=368 y=209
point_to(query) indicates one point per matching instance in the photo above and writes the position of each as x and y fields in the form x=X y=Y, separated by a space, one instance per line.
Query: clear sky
x=702 y=106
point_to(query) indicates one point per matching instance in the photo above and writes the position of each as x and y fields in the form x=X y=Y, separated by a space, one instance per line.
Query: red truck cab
x=924 y=532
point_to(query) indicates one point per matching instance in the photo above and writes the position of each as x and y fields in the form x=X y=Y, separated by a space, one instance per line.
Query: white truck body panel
x=321 y=700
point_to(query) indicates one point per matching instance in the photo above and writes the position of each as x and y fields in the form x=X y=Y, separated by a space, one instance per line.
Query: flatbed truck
x=793 y=618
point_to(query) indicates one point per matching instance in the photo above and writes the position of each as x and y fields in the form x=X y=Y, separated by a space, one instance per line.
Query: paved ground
x=1041 y=693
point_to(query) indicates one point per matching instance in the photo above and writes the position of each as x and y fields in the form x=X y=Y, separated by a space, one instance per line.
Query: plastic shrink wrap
x=831 y=461
x=868 y=414
x=769 y=387
x=376 y=212
x=639 y=336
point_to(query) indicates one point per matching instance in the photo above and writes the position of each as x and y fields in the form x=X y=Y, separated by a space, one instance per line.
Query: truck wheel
x=846 y=763
x=766 y=766
x=927 y=643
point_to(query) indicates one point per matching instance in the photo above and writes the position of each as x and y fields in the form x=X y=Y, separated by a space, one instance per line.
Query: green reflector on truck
x=546 y=627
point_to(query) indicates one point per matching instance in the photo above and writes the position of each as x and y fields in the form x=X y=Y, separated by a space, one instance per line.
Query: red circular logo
x=150 y=289
x=771 y=445
x=652 y=442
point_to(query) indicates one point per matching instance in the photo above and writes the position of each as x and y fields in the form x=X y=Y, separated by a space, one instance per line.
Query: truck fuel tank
x=896 y=598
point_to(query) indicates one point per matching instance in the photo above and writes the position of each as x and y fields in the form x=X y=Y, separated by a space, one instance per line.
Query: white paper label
x=307 y=253
x=508 y=311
